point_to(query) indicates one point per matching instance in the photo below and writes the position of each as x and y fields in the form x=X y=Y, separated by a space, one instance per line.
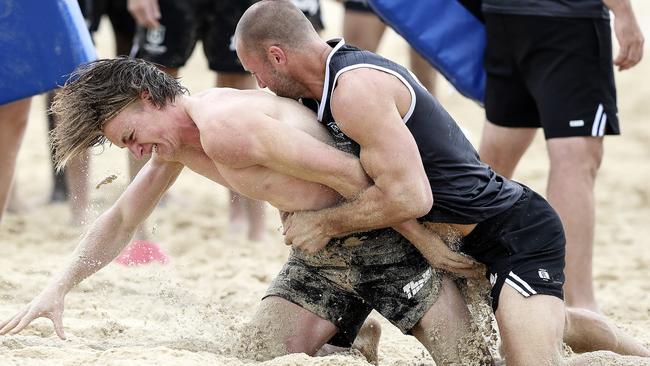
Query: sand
x=193 y=310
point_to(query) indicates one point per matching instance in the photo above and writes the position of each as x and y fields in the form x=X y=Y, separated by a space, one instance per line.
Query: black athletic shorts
x=121 y=19
x=311 y=9
x=522 y=247
x=343 y=282
x=550 y=72
x=185 y=22
x=358 y=5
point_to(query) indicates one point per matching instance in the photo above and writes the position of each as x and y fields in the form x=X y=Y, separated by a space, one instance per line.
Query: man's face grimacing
x=140 y=129
x=268 y=71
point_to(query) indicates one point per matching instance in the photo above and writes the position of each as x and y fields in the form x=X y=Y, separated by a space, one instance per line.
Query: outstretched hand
x=49 y=304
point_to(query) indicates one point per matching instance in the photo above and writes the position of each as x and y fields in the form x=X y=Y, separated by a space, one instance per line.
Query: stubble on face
x=284 y=86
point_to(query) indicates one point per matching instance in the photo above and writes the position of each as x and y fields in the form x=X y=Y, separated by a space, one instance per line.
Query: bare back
x=213 y=108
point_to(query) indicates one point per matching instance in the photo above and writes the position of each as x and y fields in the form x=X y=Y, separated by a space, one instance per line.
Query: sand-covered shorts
x=352 y=275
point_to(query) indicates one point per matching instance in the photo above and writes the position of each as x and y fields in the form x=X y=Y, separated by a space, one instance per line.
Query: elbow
x=412 y=202
x=422 y=202
x=425 y=202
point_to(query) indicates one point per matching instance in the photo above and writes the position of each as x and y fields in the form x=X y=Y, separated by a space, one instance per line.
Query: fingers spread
x=12 y=322
x=23 y=323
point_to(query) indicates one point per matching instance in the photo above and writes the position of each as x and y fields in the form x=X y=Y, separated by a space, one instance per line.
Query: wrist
x=619 y=7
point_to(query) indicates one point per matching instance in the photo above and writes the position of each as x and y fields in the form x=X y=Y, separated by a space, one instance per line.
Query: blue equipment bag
x=41 y=43
x=447 y=33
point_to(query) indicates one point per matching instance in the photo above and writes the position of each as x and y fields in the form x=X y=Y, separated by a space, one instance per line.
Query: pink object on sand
x=141 y=252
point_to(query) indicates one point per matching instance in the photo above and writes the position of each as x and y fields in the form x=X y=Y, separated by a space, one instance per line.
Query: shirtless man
x=405 y=139
x=270 y=152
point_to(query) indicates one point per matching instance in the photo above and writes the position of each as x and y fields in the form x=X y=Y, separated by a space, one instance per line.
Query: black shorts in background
x=358 y=5
x=550 y=72
x=312 y=10
x=185 y=22
x=122 y=22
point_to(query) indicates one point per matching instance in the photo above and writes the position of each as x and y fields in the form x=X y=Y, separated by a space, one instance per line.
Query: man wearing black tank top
x=423 y=167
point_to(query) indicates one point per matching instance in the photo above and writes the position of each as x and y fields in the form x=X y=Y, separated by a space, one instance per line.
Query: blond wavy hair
x=95 y=93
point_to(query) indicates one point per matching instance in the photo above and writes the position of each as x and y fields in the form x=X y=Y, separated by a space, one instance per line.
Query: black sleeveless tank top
x=465 y=190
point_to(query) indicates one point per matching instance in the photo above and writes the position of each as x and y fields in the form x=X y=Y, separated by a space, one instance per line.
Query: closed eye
x=128 y=139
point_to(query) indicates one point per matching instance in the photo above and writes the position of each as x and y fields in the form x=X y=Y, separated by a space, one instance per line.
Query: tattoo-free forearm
x=370 y=209
x=102 y=243
x=618 y=6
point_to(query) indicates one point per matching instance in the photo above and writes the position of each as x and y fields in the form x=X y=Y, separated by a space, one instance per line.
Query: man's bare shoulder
x=226 y=118
x=365 y=90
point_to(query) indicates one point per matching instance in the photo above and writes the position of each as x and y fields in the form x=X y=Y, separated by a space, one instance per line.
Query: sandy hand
x=439 y=255
x=49 y=304
x=304 y=231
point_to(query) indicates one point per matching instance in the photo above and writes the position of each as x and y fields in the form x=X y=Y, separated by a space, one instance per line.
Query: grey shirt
x=552 y=8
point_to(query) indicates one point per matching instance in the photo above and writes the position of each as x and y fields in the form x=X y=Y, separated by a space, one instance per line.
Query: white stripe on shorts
x=516 y=287
x=603 y=123
x=522 y=283
x=597 y=120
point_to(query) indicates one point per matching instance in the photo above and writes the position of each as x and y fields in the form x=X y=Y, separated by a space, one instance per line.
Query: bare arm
x=284 y=149
x=389 y=155
x=293 y=152
x=629 y=35
x=102 y=243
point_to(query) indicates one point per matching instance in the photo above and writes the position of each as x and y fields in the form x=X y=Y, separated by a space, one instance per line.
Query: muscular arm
x=102 y=243
x=389 y=155
x=257 y=139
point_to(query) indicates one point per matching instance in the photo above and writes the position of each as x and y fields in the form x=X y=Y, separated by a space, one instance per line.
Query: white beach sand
x=192 y=310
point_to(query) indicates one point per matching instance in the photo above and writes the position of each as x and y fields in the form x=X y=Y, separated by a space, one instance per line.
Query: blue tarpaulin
x=447 y=33
x=41 y=42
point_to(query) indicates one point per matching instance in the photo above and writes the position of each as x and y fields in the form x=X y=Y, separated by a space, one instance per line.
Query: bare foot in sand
x=607 y=358
x=587 y=331
x=367 y=341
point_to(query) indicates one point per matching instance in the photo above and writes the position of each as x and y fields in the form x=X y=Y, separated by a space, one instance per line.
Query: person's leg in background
x=423 y=70
x=13 y=122
x=364 y=29
x=361 y=26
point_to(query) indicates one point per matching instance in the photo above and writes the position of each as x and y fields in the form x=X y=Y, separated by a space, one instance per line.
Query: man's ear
x=276 y=55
